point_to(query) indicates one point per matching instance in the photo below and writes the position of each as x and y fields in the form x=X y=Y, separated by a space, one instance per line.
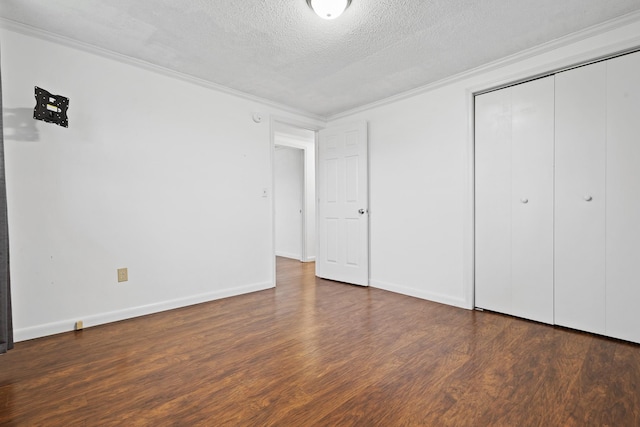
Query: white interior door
x=580 y=198
x=514 y=200
x=623 y=197
x=343 y=205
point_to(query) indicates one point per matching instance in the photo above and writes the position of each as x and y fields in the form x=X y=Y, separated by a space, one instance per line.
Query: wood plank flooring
x=318 y=353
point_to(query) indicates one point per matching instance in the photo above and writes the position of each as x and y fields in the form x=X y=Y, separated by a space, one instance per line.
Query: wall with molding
x=155 y=174
x=421 y=166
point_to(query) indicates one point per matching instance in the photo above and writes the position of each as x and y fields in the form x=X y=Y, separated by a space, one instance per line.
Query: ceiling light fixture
x=328 y=9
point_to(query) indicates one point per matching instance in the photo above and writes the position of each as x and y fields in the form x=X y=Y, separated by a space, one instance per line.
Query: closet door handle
x=588 y=198
x=524 y=200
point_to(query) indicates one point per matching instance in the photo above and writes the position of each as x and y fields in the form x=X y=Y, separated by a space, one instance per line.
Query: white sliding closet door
x=580 y=150
x=623 y=197
x=532 y=200
x=514 y=200
x=493 y=201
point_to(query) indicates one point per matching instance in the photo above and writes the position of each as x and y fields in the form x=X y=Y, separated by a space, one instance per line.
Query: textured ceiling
x=280 y=50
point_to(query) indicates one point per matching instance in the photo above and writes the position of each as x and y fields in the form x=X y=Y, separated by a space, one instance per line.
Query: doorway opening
x=294 y=192
x=288 y=183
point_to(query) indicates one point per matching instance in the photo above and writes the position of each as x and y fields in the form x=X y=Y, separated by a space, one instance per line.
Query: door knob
x=524 y=200
x=588 y=198
x=361 y=211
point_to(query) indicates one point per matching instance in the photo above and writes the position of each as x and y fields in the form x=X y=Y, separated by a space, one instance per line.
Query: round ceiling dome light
x=329 y=9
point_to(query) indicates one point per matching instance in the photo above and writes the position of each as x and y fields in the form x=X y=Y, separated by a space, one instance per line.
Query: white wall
x=288 y=195
x=156 y=174
x=421 y=157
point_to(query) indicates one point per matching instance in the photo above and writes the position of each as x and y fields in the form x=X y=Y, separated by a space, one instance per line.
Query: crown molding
x=511 y=59
x=503 y=62
x=28 y=30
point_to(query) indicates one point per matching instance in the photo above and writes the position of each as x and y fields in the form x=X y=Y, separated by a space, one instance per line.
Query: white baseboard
x=23 y=334
x=288 y=255
x=419 y=293
x=310 y=259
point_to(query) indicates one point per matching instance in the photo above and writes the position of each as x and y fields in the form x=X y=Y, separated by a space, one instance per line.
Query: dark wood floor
x=313 y=352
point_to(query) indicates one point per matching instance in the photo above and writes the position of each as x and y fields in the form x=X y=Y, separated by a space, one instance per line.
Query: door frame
x=305 y=125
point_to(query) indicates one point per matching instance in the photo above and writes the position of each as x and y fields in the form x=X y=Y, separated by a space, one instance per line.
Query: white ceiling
x=281 y=51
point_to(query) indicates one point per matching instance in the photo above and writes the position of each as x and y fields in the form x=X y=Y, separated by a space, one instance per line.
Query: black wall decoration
x=51 y=108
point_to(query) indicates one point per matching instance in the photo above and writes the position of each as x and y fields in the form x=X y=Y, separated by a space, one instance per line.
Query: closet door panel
x=623 y=197
x=493 y=201
x=532 y=199
x=580 y=148
x=514 y=200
